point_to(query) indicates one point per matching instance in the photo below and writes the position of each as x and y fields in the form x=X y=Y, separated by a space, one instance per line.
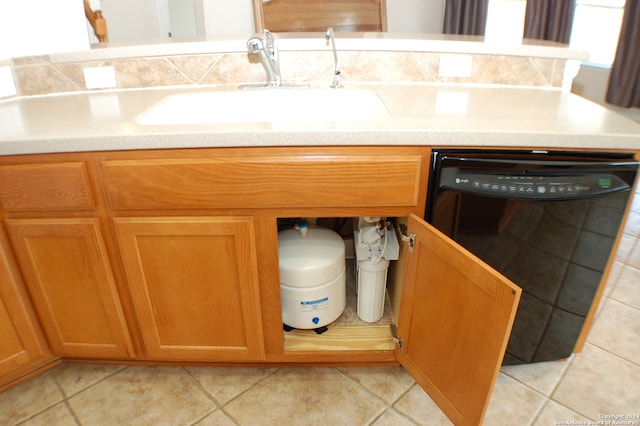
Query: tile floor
x=602 y=380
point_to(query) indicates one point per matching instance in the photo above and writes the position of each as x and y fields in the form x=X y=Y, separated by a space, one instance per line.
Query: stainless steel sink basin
x=266 y=105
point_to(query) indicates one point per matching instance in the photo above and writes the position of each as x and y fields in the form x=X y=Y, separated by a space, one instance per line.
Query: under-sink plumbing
x=337 y=79
x=267 y=51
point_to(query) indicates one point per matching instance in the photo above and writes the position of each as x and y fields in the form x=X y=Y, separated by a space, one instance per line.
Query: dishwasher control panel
x=530 y=186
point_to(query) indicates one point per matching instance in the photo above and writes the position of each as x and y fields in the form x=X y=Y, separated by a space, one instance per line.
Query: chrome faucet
x=337 y=79
x=268 y=52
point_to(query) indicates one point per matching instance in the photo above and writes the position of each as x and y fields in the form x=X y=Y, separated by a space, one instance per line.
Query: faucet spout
x=337 y=79
x=268 y=53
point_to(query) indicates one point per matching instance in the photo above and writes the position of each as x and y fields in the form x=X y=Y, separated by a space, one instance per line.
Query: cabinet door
x=68 y=274
x=21 y=344
x=194 y=285
x=455 y=318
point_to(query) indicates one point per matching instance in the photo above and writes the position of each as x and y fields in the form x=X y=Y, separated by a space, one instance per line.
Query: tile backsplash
x=40 y=75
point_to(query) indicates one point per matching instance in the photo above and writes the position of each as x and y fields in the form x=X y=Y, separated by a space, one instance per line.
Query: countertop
x=420 y=114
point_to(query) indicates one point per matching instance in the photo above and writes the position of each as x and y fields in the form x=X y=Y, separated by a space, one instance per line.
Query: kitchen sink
x=279 y=105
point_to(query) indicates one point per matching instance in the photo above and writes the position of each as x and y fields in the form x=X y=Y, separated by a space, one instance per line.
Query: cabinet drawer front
x=40 y=187
x=265 y=181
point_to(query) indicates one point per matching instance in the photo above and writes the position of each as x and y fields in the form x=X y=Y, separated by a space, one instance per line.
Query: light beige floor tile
x=556 y=414
x=218 y=418
x=58 y=415
x=598 y=382
x=617 y=329
x=632 y=225
x=74 y=378
x=389 y=383
x=417 y=405
x=512 y=403
x=27 y=399
x=225 y=383
x=392 y=418
x=541 y=376
x=634 y=256
x=627 y=242
x=616 y=270
x=308 y=396
x=142 y=395
x=627 y=288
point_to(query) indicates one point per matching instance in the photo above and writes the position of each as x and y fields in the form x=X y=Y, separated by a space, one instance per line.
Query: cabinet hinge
x=397 y=340
x=411 y=238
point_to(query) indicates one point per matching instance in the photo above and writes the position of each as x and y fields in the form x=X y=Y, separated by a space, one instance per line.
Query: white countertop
x=420 y=114
x=356 y=41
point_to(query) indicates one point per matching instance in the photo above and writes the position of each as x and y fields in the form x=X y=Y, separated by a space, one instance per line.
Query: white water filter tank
x=312 y=277
x=372 y=283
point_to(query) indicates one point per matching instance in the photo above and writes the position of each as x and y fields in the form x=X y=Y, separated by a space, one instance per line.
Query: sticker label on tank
x=314 y=305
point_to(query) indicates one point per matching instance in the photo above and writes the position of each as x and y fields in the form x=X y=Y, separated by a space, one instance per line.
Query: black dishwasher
x=546 y=220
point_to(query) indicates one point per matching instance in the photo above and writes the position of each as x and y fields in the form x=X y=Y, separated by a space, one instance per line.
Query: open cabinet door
x=455 y=318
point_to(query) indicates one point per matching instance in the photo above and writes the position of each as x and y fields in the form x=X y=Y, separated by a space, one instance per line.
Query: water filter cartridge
x=372 y=282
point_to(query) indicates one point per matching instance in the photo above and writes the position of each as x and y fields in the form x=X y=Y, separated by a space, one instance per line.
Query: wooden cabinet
x=456 y=314
x=22 y=346
x=193 y=238
x=194 y=284
x=50 y=211
x=68 y=274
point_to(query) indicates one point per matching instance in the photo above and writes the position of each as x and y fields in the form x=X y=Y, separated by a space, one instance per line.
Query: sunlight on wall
x=39 y=27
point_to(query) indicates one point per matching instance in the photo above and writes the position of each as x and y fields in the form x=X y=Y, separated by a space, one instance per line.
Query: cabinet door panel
x=68 y=274
x=455 y=318
x=20 y=341
x=194 y=285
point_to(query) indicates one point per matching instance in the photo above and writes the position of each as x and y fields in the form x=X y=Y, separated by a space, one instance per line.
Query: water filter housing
x=375 y=247
x=372 y=283
x=312 y=277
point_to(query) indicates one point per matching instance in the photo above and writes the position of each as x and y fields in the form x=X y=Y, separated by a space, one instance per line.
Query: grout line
x=361 y=386
x=388 y=406
x=565 y=372
x=108 y=376
x=222 y=406
x=73 y=414
x=65 y=398
x=202 y=389
x=622 y=302
x=230 y=417
x=23 y=421
x=620 y=357
x=402 y=413
x=555 y=387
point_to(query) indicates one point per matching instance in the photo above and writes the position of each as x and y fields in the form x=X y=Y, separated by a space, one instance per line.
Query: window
x=596 y=28
x=505 y=21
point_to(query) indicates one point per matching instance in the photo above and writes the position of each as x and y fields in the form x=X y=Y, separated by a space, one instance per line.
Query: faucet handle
x=254 y=44
x=271 y=45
